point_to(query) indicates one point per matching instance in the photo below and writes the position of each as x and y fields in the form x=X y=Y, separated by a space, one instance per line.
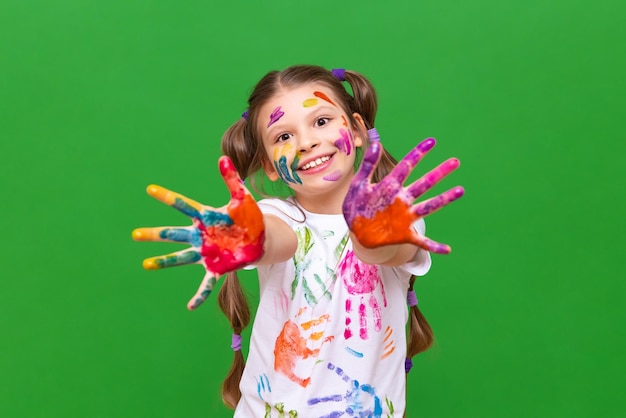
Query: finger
x=402 y=170
x=178 y=258
x=187 y=235
x=434 y=176
x=430 y=245
x=205 y=289
x=187 y=206
x=432 y=205
x=370 y=160
x=231 y=178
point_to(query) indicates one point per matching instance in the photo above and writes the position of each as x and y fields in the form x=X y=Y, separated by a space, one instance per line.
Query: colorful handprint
x=382 y=213
x=292 y=347
x=222 y=239
x=358 y=400
x=361 y=281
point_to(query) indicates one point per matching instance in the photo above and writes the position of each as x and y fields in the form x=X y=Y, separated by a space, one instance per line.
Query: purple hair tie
x=408 y=364
x=373 y=134
x=245 y=115
x=339 y=74
x=236 y=342
x=411 y=298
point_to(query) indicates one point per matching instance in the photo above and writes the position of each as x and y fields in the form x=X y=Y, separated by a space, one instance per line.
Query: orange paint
x=389 y=226
x=323 y=97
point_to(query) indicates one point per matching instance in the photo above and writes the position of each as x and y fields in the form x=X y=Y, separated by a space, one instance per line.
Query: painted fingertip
x=137 y=235
x=151 y=264
x=153 y=189
x=427 y=144
x=458 y=192
x=225 y=165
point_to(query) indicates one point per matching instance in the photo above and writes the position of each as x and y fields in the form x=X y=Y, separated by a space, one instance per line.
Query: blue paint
x=191 y=237
x=186 y=208
x=354 y=353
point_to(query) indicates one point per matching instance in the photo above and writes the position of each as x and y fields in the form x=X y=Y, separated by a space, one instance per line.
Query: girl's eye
x=322 y=121
x=283 y=137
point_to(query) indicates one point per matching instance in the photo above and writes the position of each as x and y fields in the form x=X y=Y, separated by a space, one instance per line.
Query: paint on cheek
x=309 y=103
x=287 y=174
x=323 y=97
x=334 y=176
x=344 y=144
x=275 y=116
x=345 y=122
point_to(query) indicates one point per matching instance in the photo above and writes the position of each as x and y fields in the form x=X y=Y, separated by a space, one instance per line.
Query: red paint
x=323 y=97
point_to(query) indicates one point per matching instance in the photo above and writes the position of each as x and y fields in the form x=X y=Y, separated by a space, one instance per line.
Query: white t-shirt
x=329 y=336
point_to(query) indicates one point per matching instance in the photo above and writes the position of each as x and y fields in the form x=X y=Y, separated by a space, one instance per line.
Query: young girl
x=335 y=261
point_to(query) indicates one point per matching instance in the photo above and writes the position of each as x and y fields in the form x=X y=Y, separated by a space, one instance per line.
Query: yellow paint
x=309 y=102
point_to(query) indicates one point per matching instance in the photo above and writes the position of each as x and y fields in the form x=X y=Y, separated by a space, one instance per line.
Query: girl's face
x=308 y=140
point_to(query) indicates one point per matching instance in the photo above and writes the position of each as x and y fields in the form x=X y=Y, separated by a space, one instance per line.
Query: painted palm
x=221 y=239
x=383 y=213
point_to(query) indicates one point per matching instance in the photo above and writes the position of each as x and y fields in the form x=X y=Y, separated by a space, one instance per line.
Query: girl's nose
x=308 y=143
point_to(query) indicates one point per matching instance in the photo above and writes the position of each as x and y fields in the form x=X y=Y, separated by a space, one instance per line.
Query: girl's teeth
x=315 y=163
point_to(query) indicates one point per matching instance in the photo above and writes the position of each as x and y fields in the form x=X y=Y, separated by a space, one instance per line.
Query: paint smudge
x=323 y=97
x=354 y=352
x=345 y=122
x=309 y=103
x=344 y=144
x=334 y=176
x=275 y=116
x=389 y=345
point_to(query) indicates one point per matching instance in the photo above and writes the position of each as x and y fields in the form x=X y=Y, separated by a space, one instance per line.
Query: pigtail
x=420 y=336
x=365 y=99
x=233 y=303
x=365 y=103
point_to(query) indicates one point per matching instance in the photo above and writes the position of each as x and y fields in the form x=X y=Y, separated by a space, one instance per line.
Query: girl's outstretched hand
x=222 y=239
x=383 y=213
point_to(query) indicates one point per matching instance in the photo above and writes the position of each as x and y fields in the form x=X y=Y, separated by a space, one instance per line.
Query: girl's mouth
x=318 y=162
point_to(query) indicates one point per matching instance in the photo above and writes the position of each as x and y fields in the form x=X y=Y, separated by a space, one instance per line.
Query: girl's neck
x=323 y=203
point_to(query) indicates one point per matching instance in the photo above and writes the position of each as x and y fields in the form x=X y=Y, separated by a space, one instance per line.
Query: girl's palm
x=383 y=213
x=222 y=239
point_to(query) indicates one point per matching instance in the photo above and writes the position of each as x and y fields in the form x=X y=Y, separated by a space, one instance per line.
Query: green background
x=99 y=99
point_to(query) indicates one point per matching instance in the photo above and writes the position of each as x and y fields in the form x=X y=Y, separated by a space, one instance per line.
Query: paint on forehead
x=309 y=103
x=334 y=176
x=344 y=143
x=345 y=122
x=323 y=97
x=275 y=116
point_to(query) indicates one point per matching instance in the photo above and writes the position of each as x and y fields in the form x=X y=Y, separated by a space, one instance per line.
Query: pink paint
x=334 y=176
x=275 y=116
x=344 y=143
x=362 y=281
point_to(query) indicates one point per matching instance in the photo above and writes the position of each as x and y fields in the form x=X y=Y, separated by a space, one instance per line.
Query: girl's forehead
x=303 y=92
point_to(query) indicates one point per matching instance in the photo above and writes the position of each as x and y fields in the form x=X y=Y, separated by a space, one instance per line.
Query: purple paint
x=344 y=143
x=334 y=176
x=275 y=116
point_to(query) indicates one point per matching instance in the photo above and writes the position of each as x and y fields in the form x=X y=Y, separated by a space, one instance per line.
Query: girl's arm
x=280 y=241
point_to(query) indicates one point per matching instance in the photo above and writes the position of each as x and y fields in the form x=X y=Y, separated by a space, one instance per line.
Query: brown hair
x=242 y=143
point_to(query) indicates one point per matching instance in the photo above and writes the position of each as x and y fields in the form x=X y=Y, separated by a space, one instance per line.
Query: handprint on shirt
x=361 y=281
x=291 y=347
x=222 y=239
x=360 y=400
x=383 y=213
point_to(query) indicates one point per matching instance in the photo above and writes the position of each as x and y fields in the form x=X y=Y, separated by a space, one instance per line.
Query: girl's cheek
x=287 y=172
x=345 y=143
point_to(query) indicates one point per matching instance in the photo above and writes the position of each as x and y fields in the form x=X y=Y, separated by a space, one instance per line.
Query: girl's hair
x=242 y=143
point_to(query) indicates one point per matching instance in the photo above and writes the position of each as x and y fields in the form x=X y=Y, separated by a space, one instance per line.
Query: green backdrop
x=99 y=99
